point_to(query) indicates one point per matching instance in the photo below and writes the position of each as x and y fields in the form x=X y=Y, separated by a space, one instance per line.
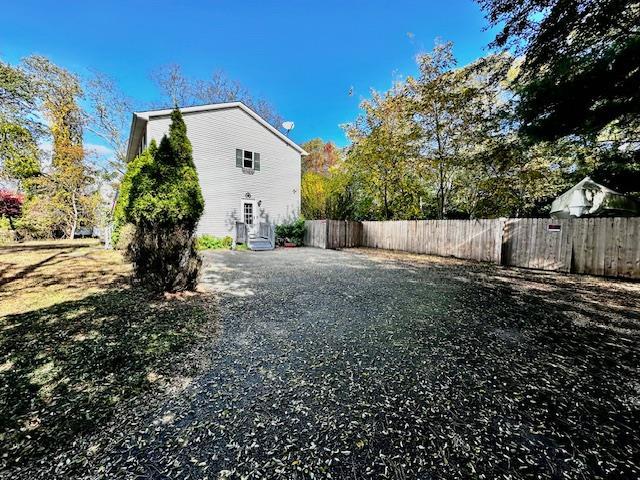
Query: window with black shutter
x=247 y=160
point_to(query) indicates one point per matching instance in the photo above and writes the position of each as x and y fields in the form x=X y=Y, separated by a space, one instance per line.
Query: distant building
x=590 y=199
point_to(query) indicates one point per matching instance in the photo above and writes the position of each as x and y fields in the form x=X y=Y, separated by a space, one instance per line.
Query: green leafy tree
x=510 y=178
x=19 y=154
x=383 y=157
x=314 y=193
x=454 y=109
x=578 y=79
x=581 y=67
x=318 y=183
x=133 y=171
x=445 y=144
x=17 y=97
x=619 y=170
x=501 y=173
x=160 y=194
x=66 y=189
x=344 y=200
x=449 y=143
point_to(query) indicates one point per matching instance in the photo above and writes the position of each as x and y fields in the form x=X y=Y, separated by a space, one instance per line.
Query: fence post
x=326 y=234
x=345 y=235
x=501 y=240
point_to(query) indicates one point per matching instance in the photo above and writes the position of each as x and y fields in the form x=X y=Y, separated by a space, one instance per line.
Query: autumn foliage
x=10 y=205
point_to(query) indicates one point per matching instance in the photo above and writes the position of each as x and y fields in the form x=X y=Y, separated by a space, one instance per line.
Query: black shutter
x=256 y=161
x=238 y=158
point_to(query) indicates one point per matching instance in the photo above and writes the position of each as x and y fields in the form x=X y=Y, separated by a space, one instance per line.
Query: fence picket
x=599 y=246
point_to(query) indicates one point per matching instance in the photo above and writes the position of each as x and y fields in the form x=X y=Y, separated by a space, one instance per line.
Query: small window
x=248 y=159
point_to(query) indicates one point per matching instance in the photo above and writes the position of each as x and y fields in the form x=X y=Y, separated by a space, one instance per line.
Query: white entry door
x=250 y=215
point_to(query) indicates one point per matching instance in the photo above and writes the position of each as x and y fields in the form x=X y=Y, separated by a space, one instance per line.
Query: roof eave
x=146 y=115
x=137 y=123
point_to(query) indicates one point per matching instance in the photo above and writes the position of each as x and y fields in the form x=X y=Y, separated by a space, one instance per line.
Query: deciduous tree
x=109 y=116
x=445 y=144
x=67 y=183
x=19 y=154
x=321 y=156
x=451 y=107
x=320 y=192
x=581 y=67
x=180 y=90
x=11 y=205
x=383 y=157
x=19 y=130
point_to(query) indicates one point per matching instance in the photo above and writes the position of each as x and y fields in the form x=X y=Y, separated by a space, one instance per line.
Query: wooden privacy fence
x=473 y=239
x=315 y=233
x=597 y=246
x=333 y=233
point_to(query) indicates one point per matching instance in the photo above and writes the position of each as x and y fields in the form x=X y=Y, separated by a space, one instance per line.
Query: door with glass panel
x=250 y=216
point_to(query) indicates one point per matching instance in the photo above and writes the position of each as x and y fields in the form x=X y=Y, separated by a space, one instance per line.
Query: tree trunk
x=386 y=203
x=441 y=198
x=74 y=222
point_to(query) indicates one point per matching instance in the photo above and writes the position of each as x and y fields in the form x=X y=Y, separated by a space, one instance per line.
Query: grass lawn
x=77 y=342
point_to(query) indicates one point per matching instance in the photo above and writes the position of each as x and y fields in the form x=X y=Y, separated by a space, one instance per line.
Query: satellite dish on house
x=288 y=126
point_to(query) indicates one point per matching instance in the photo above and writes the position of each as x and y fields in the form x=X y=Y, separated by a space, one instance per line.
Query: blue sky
x=303 y=56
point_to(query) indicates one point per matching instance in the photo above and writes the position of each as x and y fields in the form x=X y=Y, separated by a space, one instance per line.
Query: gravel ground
x=361 y=364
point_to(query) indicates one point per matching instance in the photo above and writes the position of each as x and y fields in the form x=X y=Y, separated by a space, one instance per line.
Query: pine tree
x=161 y=196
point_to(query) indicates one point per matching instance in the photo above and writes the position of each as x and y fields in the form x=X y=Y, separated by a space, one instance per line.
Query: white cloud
x=99 y=150
x=94 y=148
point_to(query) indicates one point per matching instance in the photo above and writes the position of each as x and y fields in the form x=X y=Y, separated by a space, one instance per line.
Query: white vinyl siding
x=273 y=182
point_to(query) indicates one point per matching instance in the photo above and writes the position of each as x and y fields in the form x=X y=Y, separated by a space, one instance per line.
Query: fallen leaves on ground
x=80 y=344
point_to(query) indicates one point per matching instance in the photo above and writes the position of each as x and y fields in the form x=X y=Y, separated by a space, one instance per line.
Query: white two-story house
x=249 y=172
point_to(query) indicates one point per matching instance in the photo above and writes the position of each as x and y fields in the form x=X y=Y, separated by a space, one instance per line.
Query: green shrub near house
x=209 y=242
x=291 y=232
x=134 y=169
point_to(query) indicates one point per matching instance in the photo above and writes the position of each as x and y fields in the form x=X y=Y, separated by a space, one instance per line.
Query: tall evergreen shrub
x=161 y=196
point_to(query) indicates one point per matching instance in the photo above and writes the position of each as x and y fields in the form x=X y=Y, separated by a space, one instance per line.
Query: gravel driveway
x=355 y=365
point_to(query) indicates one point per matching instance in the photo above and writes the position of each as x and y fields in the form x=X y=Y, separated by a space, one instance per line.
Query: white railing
x=268 y=231
x=265 y=231
x=241 y=232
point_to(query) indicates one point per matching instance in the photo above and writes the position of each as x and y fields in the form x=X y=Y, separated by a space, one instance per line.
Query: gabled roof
x=593 y=199
x=141 y=118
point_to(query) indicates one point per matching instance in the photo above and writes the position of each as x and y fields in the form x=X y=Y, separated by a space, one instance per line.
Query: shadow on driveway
x=364 y=365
